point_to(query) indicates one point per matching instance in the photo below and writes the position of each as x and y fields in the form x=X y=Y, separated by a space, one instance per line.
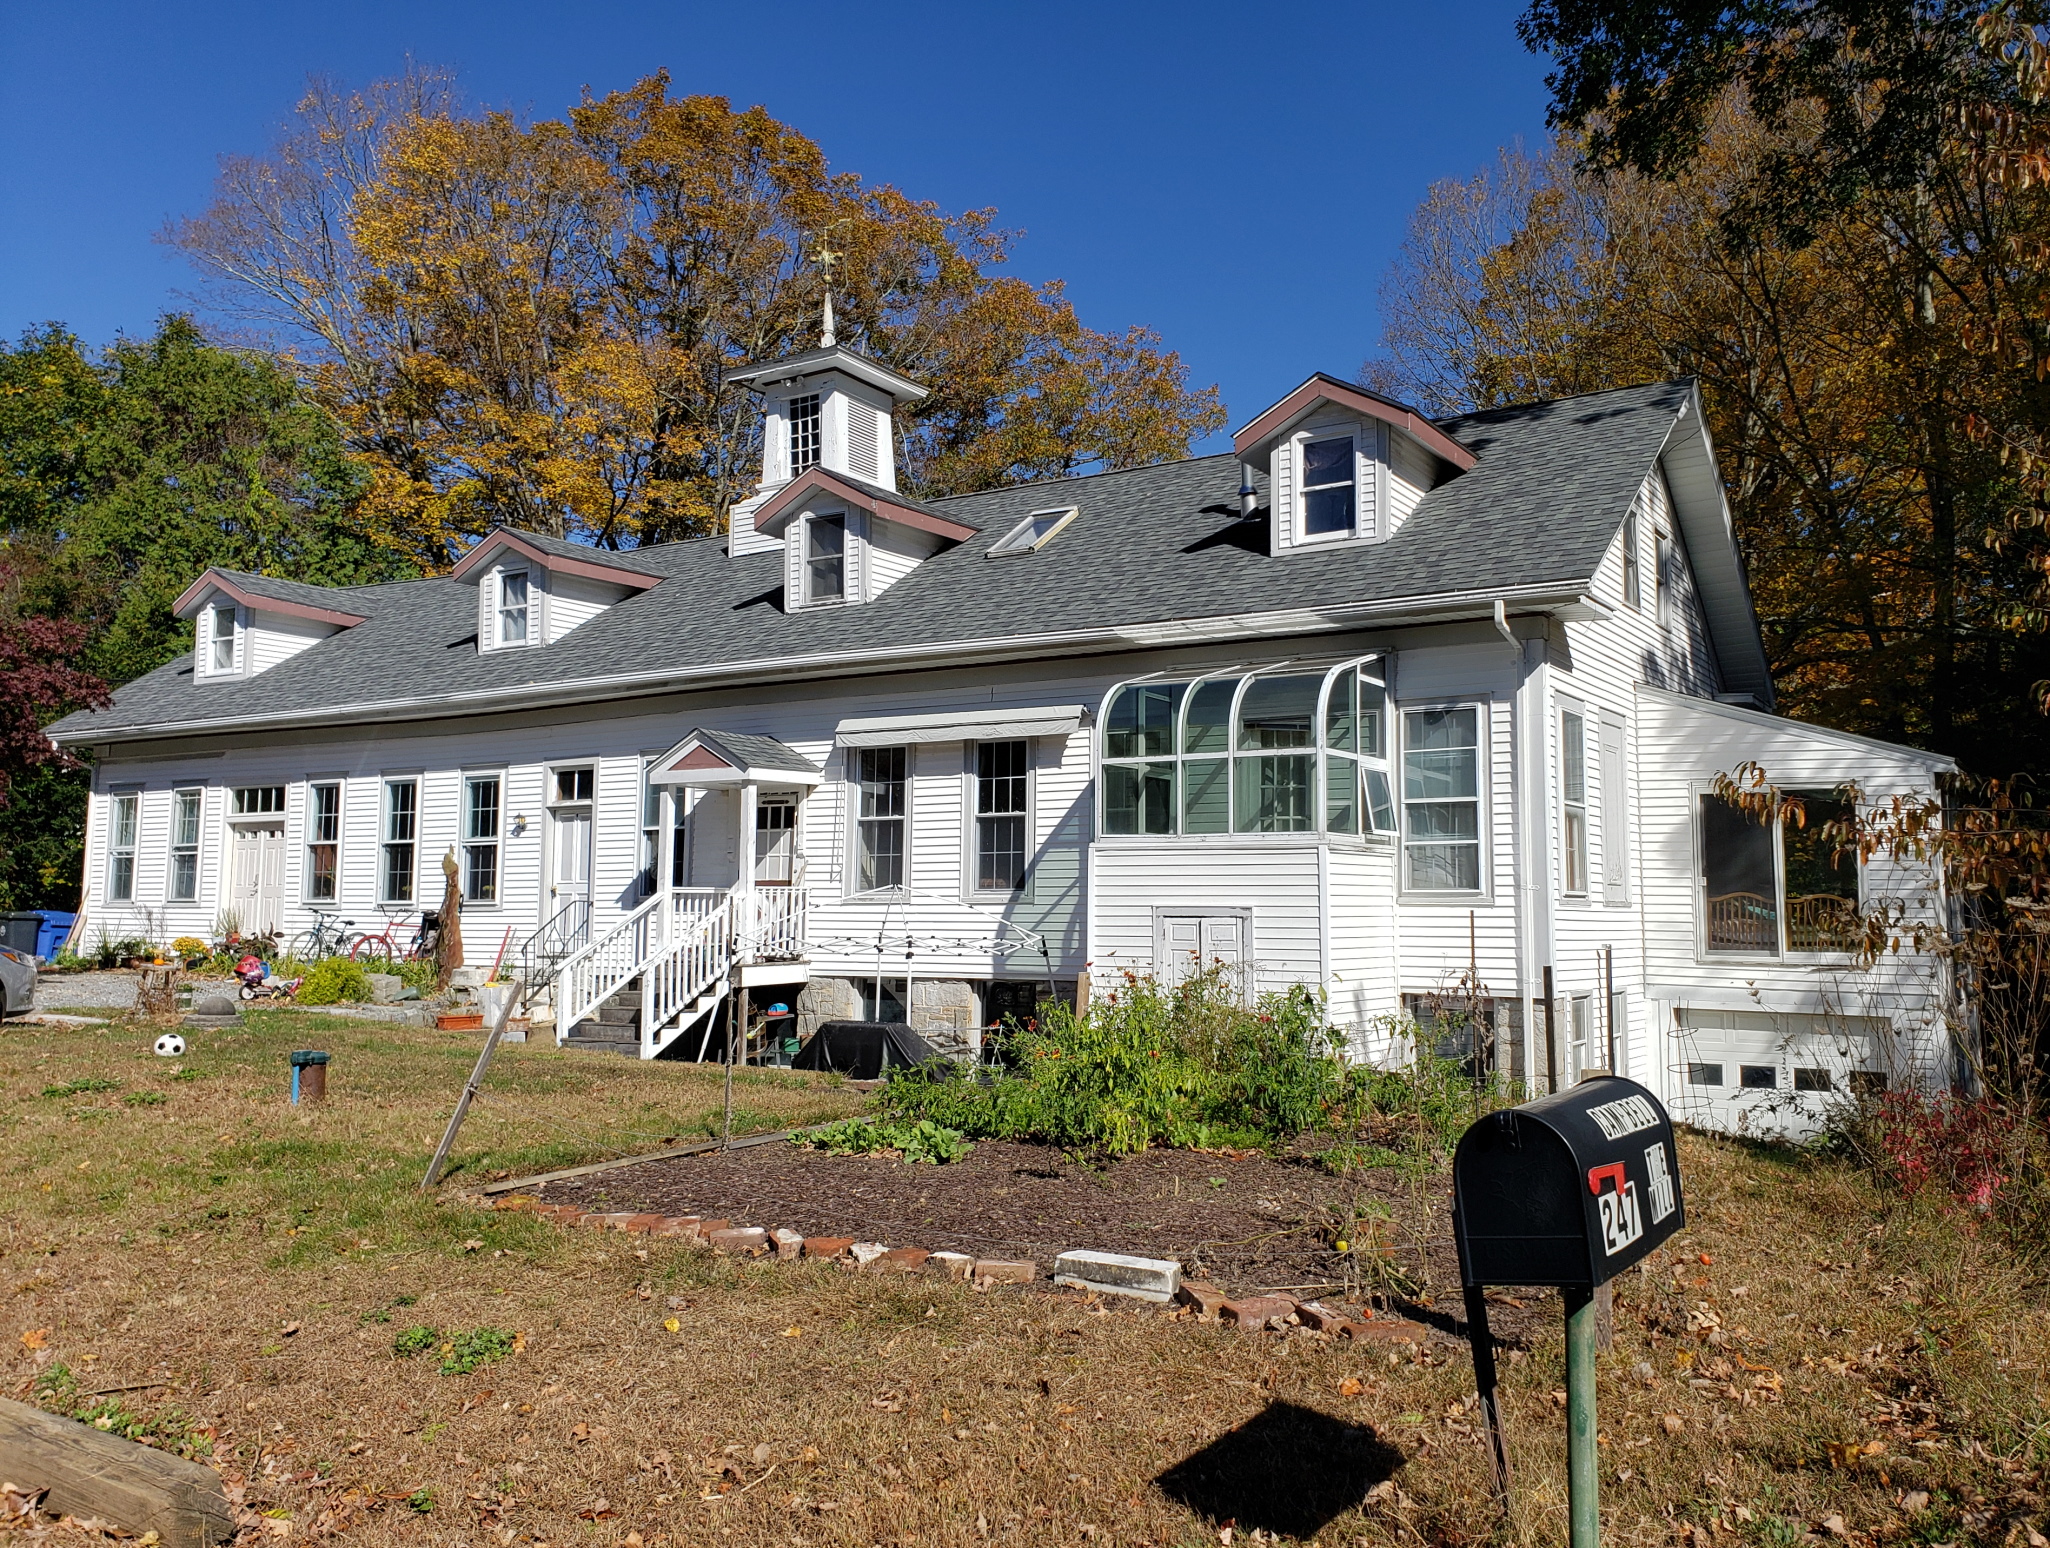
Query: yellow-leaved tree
x=532 y=324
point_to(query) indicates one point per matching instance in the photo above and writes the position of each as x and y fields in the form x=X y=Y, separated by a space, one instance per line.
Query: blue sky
x=1237 y=177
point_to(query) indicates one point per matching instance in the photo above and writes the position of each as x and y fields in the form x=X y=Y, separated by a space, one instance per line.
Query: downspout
x=1524 y=818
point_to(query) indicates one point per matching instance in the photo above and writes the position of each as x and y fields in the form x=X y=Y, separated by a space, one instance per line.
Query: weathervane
x=826 y=258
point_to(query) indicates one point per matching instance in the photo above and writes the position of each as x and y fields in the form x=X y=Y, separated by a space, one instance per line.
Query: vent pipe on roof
x=1249 y=497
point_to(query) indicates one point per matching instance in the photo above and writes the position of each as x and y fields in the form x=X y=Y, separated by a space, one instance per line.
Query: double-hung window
x=224 y=634
x=126 y=815
x=1441 y=805
x=401 y=832
x=184 y=883
x=1000 y=797
x=879 y=825
x=1287 y=753
x=1330 y=498
x=825 y=559
x=776 y=840
x=480 y=838
x=512 y=608
x=1573 y=802
x=1633 y=564
x=323 y=841
x=804 y=433
x=1662 y=581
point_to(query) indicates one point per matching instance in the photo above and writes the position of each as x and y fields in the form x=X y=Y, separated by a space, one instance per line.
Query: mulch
x=1246 y=1222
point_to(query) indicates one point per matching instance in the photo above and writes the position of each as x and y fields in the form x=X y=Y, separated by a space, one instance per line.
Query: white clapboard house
x=1380 y=705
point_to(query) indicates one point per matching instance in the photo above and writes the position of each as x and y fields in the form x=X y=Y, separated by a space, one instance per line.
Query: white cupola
x=829 y=408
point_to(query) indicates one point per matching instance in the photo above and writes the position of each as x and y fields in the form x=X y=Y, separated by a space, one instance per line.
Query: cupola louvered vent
x=862 y=425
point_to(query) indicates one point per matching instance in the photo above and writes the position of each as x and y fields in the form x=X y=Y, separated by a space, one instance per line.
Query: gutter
x=1443 y=607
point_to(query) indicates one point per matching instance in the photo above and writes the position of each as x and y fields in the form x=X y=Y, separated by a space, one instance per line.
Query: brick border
x=1200 y=1301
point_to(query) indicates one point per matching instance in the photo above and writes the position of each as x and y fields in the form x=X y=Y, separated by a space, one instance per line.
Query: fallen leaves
x=36 y=1338
x=1672 y=1424
x=671 y=1325
x=1352 y=1386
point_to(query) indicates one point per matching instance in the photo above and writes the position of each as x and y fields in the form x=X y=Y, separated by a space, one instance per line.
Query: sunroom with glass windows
x=1280 y=750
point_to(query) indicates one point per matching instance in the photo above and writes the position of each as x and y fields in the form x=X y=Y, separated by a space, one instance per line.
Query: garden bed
x=1246 y=1223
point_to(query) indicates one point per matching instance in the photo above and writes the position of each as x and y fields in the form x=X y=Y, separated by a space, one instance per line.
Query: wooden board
x=89 y=1473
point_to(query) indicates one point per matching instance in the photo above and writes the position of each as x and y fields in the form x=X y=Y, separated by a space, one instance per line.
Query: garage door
x=1774 y=1074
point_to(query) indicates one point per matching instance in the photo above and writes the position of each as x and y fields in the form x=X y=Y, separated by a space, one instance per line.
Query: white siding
x=276 y=637
x=575 y=599
x=1411 y=473
x=1278 y=878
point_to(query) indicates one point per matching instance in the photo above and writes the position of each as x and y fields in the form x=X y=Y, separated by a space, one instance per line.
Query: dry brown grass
x=177 y=1243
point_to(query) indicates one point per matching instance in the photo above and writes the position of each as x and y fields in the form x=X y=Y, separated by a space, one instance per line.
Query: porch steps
x=614 y=1029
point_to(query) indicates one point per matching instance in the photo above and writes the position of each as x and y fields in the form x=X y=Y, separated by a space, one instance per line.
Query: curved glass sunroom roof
x=1262 y=752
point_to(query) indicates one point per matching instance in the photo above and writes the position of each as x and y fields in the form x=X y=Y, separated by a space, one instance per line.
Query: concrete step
x=594 y=1045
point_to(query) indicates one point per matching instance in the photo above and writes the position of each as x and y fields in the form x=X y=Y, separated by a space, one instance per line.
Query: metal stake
x=1483 y=1342
x=513 y=1002
x=1583 y=1480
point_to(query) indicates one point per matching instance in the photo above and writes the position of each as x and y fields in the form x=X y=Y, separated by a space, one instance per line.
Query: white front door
x=572 y=883
x=1185 y=943
x=256 y=882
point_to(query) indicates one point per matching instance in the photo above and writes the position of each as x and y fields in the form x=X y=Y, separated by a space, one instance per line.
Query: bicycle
x=384 y=945
x=325 y=939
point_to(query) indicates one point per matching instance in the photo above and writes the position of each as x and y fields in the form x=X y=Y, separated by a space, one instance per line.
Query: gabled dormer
x=533 y=590
x=846 y=542
x=1343 y=465
x=246 y=624
x=829 y=408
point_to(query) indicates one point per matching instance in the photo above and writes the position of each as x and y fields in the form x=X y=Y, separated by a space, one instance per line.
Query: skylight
x=1034 y=532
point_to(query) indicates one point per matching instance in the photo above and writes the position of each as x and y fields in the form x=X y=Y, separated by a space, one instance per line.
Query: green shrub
x=1186 y=1065
x=414 y=1341
x=333 y=980
x=924 y=1140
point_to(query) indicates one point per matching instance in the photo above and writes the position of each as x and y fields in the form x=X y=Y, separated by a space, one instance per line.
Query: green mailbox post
x=1569 y=1190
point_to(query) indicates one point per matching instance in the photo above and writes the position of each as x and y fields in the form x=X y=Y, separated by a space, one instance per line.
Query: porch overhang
x=731 y=758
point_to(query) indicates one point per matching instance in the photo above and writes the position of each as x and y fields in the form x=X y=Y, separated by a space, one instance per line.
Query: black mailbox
x=1568 y=1190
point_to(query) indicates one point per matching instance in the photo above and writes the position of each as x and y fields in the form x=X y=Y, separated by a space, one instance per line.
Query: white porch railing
x=681 y=948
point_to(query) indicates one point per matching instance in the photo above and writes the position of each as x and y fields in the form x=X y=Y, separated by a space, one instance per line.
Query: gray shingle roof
x=1150 y=546
x=764 y=754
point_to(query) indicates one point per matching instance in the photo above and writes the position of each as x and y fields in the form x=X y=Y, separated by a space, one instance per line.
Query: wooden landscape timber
x=129 y=1485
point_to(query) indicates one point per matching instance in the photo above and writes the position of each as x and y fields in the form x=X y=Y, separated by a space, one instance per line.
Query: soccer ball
x=170 y=1046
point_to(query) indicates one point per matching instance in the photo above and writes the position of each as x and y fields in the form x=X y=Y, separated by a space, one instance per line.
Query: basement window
x=1034 y=532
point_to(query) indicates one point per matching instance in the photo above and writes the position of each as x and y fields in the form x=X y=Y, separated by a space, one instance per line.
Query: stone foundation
x=944 y=1011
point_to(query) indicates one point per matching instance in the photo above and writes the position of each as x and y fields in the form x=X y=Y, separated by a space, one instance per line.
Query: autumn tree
x=532 y=324
x=1894 y=589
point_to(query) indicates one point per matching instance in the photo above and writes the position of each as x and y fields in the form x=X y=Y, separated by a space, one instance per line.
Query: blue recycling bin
x=54 y=929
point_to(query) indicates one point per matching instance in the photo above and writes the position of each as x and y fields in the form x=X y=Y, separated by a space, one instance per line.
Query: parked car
x=17 y=982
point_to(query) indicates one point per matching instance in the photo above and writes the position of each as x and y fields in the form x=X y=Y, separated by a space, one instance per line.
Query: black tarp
x=862 y=1050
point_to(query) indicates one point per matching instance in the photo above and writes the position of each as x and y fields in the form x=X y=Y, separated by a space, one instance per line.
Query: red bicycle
x=388 y=945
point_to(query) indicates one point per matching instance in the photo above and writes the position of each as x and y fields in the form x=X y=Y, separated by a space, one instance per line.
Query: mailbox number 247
x=1616 y=1200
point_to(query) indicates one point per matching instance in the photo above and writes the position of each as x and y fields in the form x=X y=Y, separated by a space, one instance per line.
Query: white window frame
x=1483 y=784
x=971 y=805
x=1573 y=811
x=1784 y=952
x=1300 y=450
x=238 y=639
x=178 y=848
x=309 y=841
x=791 y=420
x=529 y=611
x=386 y=843
x=1633 y=562
x=856 y=758
x=806 y=559
x=1663 y=549
x=495 y=842
x=122 y=847
x=237 y=809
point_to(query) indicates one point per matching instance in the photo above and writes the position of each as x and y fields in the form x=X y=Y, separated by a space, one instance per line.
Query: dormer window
x=1034 y=532
x=512 y=608
x=224 y=635
x=1330 y=497
x=825 y=558
x=804 y=433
